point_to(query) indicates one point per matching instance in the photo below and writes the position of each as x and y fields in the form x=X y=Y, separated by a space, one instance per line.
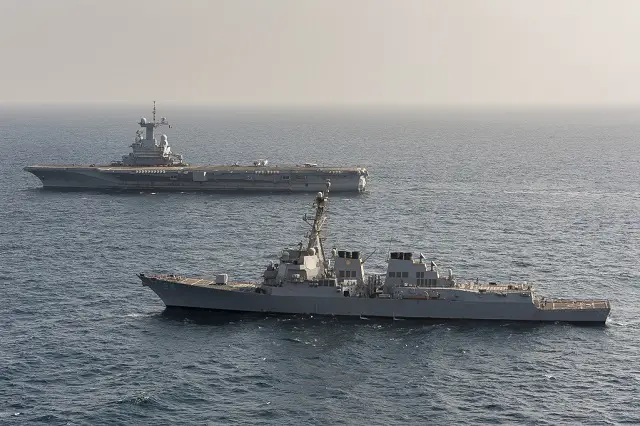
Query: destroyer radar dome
x=163 y=140
x=143 y=120
x=320 y=195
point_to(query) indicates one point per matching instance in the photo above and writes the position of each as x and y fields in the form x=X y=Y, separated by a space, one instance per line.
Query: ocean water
x=551 y=197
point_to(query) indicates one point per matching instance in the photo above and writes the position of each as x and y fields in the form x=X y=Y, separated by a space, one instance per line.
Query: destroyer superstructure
x=305 y=280
x=151 y=165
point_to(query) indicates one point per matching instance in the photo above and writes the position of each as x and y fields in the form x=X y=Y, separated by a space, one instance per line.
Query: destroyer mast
x=315 y=237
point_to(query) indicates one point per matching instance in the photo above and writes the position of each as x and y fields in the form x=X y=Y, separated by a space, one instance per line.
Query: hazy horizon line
x=324 y=106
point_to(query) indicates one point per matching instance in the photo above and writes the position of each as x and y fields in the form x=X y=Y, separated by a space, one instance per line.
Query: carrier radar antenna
x=150 y=126
x=163 y=120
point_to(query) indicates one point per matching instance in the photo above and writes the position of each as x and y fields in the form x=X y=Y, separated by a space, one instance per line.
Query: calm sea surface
x=550 y=197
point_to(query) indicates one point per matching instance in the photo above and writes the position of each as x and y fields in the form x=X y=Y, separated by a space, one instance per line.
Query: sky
x=321 y=52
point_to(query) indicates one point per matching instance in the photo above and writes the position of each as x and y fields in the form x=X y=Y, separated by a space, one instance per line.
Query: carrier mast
x=149 y=126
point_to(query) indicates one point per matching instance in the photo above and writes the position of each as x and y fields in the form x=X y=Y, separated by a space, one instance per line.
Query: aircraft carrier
x=152 y=166
x=304 y=280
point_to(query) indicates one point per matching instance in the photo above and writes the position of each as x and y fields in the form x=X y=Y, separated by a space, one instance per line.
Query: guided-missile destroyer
x=151 y=165
x=304 y=280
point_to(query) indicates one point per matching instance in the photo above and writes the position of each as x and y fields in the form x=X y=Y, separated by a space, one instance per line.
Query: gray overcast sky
x=321 y=52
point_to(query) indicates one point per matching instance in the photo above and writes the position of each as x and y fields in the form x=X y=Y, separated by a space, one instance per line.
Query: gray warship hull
x=190 y=294
x=306 y=281
x=200 y=178
x=152 y=166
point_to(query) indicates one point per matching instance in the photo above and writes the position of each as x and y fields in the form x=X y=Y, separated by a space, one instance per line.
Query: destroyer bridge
x=151 y=165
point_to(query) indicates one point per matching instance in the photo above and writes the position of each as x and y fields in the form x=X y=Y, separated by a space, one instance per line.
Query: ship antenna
x=154 y=112
x=367 y=258
x=316 y=227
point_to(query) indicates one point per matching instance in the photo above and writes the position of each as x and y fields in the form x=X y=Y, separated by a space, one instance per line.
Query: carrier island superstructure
x=305 y=280
x=151 y=165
